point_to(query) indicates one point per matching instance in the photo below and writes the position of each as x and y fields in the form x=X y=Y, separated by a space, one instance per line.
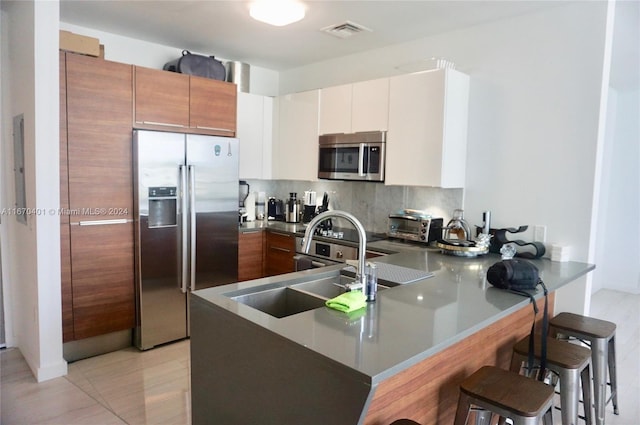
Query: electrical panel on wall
x=18 y=163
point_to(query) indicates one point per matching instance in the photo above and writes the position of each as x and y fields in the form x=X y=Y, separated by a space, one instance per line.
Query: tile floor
x=130 y=387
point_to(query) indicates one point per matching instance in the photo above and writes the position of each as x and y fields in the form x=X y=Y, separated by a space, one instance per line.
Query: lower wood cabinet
x=102 y=275
x=65 y=283
x=280 y=250
x=251 y=255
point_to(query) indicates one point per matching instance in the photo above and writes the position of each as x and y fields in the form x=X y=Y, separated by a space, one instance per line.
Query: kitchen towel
x=348 y=302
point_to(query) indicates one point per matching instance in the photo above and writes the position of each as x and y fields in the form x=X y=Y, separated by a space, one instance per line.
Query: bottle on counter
x=371 y=291
x=250 y=206
x=260 y=206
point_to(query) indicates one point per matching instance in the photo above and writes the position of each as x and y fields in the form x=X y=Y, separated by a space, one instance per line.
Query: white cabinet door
x=295 y=150
x=370 y=106
x=335 y=109
x=254 y=130
x=351 y=108
x=427 y=138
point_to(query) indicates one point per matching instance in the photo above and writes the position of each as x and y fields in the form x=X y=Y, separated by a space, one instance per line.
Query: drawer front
x=280 y=250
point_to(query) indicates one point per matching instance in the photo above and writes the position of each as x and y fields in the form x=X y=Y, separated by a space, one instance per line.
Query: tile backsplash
x=371 y=203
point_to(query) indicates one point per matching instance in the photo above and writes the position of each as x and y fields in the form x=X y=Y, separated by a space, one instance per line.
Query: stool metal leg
x=483 y=417
x=599 y=359
x=585 y=376
x=462 y=412
x=613 y=378
x=569 y=396
x=547 y=419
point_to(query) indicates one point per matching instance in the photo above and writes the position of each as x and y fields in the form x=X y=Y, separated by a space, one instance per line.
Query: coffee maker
x=292 y=209
x=275 y=210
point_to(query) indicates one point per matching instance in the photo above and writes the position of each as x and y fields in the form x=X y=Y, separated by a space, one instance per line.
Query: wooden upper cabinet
x=64 y=179
x=172 y=101
x=213 y=105
x=99 y=114
x=161 y=98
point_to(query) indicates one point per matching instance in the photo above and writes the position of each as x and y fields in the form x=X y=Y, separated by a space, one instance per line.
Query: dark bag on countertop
x=513 y=274
x=520 y=276
x=198 y=65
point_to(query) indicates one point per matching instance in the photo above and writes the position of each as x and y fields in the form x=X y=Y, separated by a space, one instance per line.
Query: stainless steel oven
x=322 y=254
x=331 y=249
x=354 y=156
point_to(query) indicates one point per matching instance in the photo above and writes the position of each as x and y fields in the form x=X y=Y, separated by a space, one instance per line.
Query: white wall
x=262 y=81
x=30 y=87
x=618 y=231
x=618 y=249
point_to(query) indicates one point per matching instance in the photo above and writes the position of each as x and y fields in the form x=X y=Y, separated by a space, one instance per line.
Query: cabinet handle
x=250 y=232
x=277 y=248
x=281 y=234
x=201 y=127
x=163 y=123
x=104 y=222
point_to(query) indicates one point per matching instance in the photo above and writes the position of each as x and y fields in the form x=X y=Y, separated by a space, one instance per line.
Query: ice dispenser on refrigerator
x=163 y=210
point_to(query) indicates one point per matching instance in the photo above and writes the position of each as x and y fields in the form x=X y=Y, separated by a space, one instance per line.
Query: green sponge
x=348 y=302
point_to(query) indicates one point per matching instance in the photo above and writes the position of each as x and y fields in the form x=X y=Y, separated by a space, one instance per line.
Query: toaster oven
x=415 y=227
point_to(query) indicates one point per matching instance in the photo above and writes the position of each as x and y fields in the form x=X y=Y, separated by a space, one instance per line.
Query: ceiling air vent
x=345 y=29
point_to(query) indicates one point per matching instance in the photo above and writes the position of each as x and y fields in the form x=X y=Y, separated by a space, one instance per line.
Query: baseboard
x=51 y=371
x=97 y=345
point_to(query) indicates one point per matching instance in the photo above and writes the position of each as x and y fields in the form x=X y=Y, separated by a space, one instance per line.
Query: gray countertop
x=407 y=323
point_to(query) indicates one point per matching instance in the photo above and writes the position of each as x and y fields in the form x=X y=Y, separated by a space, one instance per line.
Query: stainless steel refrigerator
x=186 y=221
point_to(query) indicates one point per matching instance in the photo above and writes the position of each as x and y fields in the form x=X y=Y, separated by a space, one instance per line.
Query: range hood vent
x=345 y=29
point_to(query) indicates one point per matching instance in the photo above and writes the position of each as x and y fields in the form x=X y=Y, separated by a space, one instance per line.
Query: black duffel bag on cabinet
x=198 y=65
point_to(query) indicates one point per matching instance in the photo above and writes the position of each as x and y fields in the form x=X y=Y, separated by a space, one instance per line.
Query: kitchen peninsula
x=402 y=356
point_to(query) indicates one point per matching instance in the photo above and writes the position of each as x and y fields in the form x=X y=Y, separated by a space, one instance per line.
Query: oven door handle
x=311 y=262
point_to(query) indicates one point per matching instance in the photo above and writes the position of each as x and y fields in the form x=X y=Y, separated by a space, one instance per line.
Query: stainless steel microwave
x=354 y=156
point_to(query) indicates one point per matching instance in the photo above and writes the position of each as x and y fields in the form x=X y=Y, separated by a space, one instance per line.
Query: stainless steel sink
x=280 y=302
x=294 y=296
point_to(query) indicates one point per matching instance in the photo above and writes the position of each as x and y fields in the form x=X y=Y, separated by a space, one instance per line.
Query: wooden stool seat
x=507 y=394
x=571 y=363
x=587 y=326
x=560 y=353
x=404 y=422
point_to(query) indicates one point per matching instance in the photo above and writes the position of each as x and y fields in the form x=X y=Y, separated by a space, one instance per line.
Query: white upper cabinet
x=335 y=109
x=295 y=149
x=351 y=108
x=427 y=134
x=255 y=132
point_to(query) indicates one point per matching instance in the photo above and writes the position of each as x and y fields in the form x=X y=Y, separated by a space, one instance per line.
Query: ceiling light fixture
x=277 y=12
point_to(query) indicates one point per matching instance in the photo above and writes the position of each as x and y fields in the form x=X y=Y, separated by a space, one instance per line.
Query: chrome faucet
x=361 y=275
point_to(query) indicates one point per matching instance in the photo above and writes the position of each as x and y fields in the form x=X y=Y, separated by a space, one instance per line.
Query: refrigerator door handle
x=184 y=223
x=192 y=227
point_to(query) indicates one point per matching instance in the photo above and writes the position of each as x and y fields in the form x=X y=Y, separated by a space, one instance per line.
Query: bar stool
x=404 y=422
x=507 y=394
x=600 y=335
x=572 y=364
